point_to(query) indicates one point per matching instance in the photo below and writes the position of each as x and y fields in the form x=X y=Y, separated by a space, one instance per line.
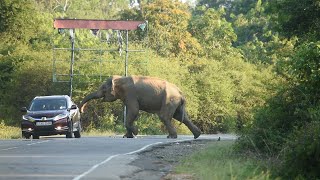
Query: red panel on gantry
x=96 y=24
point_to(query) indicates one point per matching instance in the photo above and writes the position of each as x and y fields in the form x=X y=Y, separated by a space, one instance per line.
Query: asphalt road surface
x=56 y=157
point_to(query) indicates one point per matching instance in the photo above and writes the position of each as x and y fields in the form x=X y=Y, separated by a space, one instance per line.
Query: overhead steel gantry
x=96 y=25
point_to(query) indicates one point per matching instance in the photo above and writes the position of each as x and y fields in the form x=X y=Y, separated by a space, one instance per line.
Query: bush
x=301 y=153
x=288 y=126
x=228 y=92
x=9 y=132
x=271 y=125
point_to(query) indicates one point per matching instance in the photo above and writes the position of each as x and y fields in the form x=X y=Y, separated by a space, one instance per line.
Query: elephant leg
x=166 y=116
x=131 y=116
x=182 y=116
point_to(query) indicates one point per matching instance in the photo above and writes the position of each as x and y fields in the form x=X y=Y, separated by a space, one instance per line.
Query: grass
x=9 y=132
x=220 y=162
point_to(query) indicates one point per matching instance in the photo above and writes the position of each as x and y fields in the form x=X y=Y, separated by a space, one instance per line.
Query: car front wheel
x=70 y=129
x=77 y=133
x=35 y=136
x=26 y=135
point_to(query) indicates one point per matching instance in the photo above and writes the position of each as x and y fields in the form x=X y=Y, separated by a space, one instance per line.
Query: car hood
x=47 y=114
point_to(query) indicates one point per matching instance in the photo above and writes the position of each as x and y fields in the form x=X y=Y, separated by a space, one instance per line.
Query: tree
x=168 y=22
x=214 y=33
x=17 y=22
x=297 y=18
x=24 y=32
x=93 y=9
x=232 y=8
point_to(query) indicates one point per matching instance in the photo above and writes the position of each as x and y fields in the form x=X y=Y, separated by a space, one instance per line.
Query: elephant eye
x=104 y=87
x=109 y=83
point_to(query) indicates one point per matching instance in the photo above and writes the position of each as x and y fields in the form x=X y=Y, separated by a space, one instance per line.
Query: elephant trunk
x=94 y=95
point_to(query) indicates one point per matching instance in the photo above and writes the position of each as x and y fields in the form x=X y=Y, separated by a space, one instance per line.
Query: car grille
x=44 y=115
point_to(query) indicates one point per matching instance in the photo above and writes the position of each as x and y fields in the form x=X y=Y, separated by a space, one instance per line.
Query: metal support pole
x=72 y=37
x=126 y=74
x=127 y=51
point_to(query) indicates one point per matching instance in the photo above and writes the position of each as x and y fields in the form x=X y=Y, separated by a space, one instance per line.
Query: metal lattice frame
x=94 y=26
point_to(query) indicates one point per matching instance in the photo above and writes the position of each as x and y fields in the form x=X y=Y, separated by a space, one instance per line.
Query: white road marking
x=8 y=148
x=37 y=142
x=33 y=156
x=15 y=147
x=111 y=157
x=46 y=156
x=36 y=175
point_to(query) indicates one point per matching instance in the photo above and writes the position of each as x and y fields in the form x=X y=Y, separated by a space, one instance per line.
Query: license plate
x=47 y=123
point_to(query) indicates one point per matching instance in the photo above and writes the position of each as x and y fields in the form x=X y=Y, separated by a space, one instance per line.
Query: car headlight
x=27 y=118
x=60 y=116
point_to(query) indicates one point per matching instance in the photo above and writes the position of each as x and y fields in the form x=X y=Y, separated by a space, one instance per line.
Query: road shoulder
x=158 y=161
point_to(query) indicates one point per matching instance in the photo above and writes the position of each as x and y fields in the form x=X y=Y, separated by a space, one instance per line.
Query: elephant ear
x=120 y=86
x=116 y=85
x=113 y=88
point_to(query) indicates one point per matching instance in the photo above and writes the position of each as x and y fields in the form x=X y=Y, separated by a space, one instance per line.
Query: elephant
x=149 y=94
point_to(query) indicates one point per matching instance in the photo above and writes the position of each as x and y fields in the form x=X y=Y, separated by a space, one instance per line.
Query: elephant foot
x=124 y=136
x=135 y=131
x=128 y=135
x=197 y=134
x=172 y=136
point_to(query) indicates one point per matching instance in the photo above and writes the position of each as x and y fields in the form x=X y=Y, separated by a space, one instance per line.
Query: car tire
x=70 y=129
x=35 y=136
x=77 y=133
x=26 y=135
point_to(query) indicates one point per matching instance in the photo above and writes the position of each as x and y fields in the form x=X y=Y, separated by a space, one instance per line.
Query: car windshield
x=48 y=104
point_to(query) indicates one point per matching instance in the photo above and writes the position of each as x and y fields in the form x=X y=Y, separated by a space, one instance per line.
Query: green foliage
x=290 y=107
x=15 y=15
x=297 y=18
x=150 y=124
x=168 y=28
x=289 y=125
x=227 y=92
x=81 y=9
x=214 y=33
x=271 y=125
x=304 y=68
x=22 y=22
x=232 y=7
x=301 y=152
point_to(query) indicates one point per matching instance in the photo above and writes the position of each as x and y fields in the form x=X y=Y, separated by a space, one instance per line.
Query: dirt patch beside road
x=158 y=162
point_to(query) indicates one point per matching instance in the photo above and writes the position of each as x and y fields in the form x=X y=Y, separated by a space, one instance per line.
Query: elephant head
x=106 y=91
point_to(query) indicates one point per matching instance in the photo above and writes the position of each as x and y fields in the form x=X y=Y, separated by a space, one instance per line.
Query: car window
x=48 y=104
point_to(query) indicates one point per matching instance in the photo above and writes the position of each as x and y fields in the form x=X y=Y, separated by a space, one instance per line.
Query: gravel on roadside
x=157 y=162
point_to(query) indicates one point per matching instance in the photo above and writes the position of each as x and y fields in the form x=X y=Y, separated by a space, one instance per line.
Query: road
x=73 y=159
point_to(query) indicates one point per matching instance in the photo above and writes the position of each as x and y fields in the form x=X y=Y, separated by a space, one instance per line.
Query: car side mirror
x=73 y=106
x=24 y=109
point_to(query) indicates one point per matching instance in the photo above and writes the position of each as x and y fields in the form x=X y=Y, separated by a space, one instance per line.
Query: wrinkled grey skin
x=148 y=94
